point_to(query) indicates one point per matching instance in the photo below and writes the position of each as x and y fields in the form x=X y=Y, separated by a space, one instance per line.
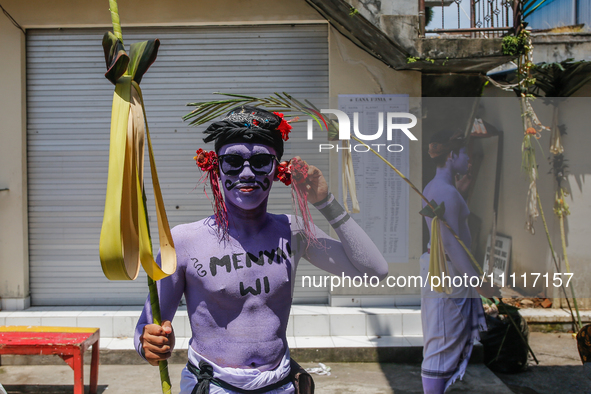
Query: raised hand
x=314 y=185
x=463 y=182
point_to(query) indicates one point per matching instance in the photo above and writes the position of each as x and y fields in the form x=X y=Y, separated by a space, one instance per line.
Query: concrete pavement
x=345 y=378
x=560 y=371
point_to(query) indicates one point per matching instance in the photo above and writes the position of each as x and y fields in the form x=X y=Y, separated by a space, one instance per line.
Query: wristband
x=330 y=208
x=141 y=351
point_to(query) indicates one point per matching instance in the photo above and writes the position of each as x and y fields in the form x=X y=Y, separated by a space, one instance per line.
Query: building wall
x=14 y=269
x=531 y=253
x=556 y=47
x=71 y=13
x=351 y=71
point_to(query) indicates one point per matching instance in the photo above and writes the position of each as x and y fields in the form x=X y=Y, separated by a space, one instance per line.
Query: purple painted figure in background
x=449 y=344
x=239 y=292
x=443 y=189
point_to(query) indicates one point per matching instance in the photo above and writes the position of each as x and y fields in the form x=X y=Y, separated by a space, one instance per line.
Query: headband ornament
x=248 y=119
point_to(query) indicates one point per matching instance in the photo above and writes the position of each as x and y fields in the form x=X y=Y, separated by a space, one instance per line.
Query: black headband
x=247 y=124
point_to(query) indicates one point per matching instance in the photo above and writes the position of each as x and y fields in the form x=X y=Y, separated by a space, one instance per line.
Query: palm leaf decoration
x=561 y=79
x=209 y=110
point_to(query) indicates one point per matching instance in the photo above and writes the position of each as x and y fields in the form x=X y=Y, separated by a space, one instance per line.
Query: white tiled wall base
x=375 y=301
x=309 y=326
x=15 y=304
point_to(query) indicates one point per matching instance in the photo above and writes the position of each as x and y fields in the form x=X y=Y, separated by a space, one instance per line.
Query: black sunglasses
x=260 y=164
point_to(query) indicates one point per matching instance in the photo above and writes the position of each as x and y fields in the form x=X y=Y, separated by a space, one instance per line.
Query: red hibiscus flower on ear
x=206 y=160
x=284 y=173
x=299 y=171
x=284 y=127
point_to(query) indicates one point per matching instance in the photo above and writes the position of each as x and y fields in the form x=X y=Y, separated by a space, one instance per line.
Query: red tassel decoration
x=208 y=162
x=295 y=173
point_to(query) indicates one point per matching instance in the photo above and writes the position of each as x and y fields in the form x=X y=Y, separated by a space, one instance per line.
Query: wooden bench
x=69 y=343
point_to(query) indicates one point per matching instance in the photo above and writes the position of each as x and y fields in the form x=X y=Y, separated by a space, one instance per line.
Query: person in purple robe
x=451 y=319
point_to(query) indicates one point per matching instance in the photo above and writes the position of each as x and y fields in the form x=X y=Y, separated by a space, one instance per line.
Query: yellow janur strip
x=437 y=260
x=125 y=238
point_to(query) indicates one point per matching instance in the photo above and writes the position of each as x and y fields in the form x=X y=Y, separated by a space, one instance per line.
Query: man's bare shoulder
x=442 y=191
x=278 y=222
x=281 y=218
x=295 y=223
x=188 y=232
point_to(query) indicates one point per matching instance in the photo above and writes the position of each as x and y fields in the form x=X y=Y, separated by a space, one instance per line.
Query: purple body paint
x=247 y=190
x=450 y=322
x=239 y=292
x=443 y=189
x=433 y=386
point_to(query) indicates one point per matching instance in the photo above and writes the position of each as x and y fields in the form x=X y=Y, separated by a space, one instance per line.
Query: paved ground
x=366 y=378
x=560 y=371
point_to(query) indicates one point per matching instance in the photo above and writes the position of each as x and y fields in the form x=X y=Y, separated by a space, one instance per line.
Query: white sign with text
x=502 y=254
x=383 y=196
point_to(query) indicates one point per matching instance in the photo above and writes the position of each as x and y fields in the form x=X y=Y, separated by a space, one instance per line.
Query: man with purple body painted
x=451 y=322
x=239 y=288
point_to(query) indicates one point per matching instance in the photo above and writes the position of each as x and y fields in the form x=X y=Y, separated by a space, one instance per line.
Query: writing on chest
x=245 y=272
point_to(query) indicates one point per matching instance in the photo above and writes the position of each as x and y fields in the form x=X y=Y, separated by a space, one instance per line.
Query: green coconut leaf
x=438 y=211
x=561 y=79
x=116 y=58
x=209 y=110
x=143 y=55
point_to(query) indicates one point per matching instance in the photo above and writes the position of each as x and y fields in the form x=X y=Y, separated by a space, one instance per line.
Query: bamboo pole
x=572 y=288
x=157 y=319
x=153 y=290
x=575 y=328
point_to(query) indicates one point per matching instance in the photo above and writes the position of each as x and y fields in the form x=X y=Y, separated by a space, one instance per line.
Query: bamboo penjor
x=125 y=239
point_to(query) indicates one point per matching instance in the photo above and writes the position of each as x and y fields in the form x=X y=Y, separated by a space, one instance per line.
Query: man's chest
x=234 y=272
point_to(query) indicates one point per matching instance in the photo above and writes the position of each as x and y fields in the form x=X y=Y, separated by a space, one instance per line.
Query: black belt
x=204 y=376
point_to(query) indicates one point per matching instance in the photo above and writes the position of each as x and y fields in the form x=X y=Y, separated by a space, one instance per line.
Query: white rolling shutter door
x=69 y=105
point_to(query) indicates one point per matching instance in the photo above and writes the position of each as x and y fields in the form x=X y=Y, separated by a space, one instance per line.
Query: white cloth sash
x=247 y=379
